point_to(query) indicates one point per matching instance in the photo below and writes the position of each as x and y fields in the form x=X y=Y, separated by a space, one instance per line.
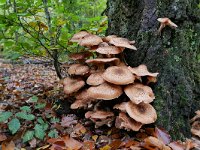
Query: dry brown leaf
x=115 y=144
x=177 y=145
x=72 y=143
x=2 y=137
x=8 y=146
x=162 y=135
x=88 y=145
x=78 y=130
x=68 y=120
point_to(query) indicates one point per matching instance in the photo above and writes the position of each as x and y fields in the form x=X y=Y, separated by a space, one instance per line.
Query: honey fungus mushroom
x=79 y=36
x=105 y=91
x=100 y=117
x=125 y=122
x=72 y=85
x=95 y=79
x=123 y=42
x=139 y=93
x=78 y=69
x=144 y=113
x=90 y=40
x=118 y=75
x=165 y=22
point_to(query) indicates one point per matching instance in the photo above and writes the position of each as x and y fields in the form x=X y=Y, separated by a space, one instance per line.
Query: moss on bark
x=174 y=54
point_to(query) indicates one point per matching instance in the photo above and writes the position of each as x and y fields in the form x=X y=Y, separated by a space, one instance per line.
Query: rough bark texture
x=175 y=54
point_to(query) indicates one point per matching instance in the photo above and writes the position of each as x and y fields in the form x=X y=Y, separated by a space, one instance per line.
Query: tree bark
x=175 y=54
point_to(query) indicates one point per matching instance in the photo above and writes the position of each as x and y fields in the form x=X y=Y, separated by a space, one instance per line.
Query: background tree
x=174 y=53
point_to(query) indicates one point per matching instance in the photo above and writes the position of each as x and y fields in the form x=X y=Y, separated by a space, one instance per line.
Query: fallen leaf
x=94 y=137
x=68 y=120
x=8 y=146
x=162 y=135
x=72 y=143
x=88 y=145
x=2 y=137
x=107 y=147
x=115 y=144
x=177 y=145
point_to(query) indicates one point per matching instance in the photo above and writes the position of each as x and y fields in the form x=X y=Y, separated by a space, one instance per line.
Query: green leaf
x=2 y=2
x=40 y=120
x=39 y=132
x=26 y=108
x=24 y=115
x=33 y=99
x=40 y=105
x=53 y=133
x=54 y=120
x=28 y=136
x=14 y=125
x=5 y=115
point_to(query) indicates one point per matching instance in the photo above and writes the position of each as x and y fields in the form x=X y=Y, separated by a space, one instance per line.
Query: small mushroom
x=139 y=93
x=90 y=40
x=121 y=106
x=107 y=50
x=78 y=69
x=118 y=75
x=142 y=70
x=122 y=42
x=83 y=99
x=165 y=22
x=105 y=91
x=95 y=79
x=109 y=37
x=144 y=113
x=79 y=36
x=123 y=121
x=80 y=55
x=72 y=85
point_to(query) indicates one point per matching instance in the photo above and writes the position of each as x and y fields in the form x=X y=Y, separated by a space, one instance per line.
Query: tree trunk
x=175 y=54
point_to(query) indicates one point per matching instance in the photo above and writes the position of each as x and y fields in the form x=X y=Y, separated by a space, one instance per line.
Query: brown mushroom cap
x=168 y=22
x=123 y=121
x=122 y=42
x=105 y=91
x=98 y=114
x=109 y=50
x=144 y=113
x=95 y=79
x=118 y=75
x=109 y=37
x=142 y=70
x=78 y=69
x=80 y=56
x=82 y=99
x=90 y=40
x=78 y=36
x=103 y=60
x=121 y=106
x=139 y=93
x=72 y=85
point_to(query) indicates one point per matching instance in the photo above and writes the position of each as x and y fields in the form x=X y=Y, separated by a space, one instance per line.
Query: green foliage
x=4 y=116
x=26 y=30
x=14 y=125
x=36 y=125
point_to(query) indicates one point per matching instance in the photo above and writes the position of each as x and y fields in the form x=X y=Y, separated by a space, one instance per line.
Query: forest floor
x=35 y=90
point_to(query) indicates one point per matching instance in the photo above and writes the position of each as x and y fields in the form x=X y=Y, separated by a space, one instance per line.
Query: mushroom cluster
x=103 y=85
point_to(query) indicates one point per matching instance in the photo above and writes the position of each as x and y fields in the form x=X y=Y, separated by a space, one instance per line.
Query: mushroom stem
x=122 y=58
x=162 y=25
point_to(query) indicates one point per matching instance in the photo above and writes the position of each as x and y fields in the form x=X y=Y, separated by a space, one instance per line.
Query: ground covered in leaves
x=35 y=114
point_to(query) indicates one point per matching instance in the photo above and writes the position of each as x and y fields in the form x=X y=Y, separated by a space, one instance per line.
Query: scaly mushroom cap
x=144 y=113
x=95 y=79
x=72 y=85
x=78 y=69
x=139 y=93
x=109 y=37
x=142 y=70
x=109 y=50
x=121 y=106
x=118 y=75
x=80 y=56
x=105 y=91
x=167 y=21
x=98 y=114
x=82 y=100
x=116 y=61
x=122 y=42
x=90 y=40
x=123 y=121
x=78 y=36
